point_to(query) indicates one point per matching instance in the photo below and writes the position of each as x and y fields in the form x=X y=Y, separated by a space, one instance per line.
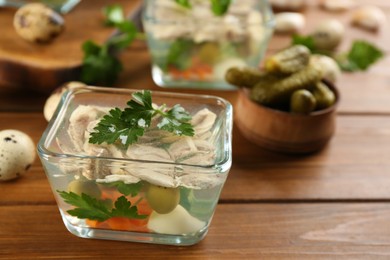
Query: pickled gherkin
x=279 y=92
x=247 y=77
x=302 y=102
x=323 y=95
x=289 y=60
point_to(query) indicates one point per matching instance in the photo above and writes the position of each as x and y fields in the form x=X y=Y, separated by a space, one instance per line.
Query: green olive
x=302 y=102
x=324 y=96
x=209 y=53
x=162 y=199
x=84 y=186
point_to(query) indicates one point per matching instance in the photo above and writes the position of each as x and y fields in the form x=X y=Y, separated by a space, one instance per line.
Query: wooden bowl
x=283 y=131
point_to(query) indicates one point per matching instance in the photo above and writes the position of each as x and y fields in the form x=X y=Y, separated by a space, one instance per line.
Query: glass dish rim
x=268 y=22
x=224 y=163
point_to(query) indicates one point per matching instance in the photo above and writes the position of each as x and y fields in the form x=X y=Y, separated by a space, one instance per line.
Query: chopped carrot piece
x=92 y=223
x=126 y=224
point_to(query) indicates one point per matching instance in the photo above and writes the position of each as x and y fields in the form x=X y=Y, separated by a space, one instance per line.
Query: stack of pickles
x=289 y=82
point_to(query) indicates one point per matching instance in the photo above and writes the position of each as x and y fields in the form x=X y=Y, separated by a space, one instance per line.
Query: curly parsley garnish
x=218 y=7
x=87 y=207
x=126 y=126
x=100 y=63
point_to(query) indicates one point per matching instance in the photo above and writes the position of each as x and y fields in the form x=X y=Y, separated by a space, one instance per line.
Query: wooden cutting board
x=43 y=67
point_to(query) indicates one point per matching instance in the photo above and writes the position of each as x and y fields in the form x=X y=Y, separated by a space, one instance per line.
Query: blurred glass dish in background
x=193 y=47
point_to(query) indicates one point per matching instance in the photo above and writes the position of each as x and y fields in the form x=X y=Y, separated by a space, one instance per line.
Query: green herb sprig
x=124 y=127
x=218 y=7
x=360 y=57
x=100 y=63
x=87 y=207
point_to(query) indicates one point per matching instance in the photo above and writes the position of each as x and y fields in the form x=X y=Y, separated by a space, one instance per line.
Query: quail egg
x=54 y=99
x=38 y=23
x=328 y=35
x=17 y=153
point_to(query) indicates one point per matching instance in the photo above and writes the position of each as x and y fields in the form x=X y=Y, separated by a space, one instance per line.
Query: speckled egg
x=17 y=153
x=54 y=99
x=328 y=34
x=38 y=23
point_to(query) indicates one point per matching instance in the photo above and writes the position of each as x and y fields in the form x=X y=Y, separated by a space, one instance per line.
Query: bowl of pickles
x=287 y=106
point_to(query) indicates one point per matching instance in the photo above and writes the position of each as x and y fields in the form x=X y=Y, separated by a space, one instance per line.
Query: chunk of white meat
x=177 y=21
x=128 y=179
x=79 y=121
x=156 y=173
x=233 y=28
x=203 y=121
x=192 y=151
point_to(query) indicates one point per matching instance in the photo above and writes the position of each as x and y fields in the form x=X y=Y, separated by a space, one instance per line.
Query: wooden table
x=334 y=204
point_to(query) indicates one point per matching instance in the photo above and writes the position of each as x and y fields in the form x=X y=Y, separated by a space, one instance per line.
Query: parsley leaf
x=100 y=63
x=178 y=55
x=126 y=189
x=361 y=55
x=184 y=3
x=91 y=208
x=125 y=126
x=86 y=206
x=176 y=121
x=113 y=128
x=220 y=7
x=307 y=41
x=123 y=208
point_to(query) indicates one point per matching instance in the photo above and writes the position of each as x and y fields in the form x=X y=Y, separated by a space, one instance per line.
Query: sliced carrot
x=126 y=224
x=119 y=223
x=92 y=223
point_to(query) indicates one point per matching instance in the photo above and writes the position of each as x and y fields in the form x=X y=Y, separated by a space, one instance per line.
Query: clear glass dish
x=193 y=47
x=174 y=182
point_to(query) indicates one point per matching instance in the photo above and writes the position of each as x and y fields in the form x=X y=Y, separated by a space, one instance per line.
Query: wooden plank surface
x=244 y=231
x=330 y=205
x=354 y=166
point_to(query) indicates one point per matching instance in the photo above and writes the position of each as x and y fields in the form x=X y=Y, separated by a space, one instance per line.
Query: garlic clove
x=369 y=18
x=288 y=5
x=337 y=5
x=289 y=22
x=329 y=67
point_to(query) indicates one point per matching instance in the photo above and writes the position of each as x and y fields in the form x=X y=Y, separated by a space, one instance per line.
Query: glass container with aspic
x=138 y=166
x=193 y=43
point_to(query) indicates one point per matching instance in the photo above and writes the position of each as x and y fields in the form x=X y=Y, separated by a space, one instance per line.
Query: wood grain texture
x=333 y=204
x=354 y=166
x=246 y=231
